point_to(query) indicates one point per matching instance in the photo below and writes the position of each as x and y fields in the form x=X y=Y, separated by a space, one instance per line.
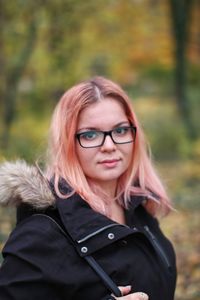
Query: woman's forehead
x=104 y=112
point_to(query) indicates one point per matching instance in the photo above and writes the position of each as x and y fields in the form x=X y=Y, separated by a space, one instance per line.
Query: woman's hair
x=140 y=179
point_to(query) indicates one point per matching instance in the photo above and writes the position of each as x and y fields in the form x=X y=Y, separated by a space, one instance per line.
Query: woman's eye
x=121 y=130
x=90 y=135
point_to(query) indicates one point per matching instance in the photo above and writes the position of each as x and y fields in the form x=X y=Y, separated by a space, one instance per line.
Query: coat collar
x=80 y=220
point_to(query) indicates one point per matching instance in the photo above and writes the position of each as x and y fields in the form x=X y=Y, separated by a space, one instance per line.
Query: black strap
x=109 y=283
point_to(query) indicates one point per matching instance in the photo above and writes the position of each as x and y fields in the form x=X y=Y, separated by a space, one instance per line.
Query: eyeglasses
x=96 y=138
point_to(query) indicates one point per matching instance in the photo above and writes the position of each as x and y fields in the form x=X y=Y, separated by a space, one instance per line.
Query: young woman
x=88 y=229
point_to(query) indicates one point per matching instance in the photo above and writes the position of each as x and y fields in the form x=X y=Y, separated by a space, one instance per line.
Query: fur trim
x=21 y=183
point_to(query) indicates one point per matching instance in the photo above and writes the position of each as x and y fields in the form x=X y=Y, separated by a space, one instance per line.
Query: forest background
x=152 y=48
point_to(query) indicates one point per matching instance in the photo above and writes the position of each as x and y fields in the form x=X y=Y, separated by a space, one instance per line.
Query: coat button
x=111 y=236
x=84 y=249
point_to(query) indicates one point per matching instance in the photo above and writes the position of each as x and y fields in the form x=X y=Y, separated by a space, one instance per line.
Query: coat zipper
x=96 y=232
x=158 y=247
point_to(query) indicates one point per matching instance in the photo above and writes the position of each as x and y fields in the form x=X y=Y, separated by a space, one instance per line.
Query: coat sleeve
x=32 y=259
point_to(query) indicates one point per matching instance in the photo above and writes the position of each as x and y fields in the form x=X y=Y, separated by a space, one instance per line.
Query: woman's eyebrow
x=125 y=123
x=87 y=129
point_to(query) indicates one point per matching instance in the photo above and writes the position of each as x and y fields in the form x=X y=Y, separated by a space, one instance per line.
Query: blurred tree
x=13 y=58
x=181 y=21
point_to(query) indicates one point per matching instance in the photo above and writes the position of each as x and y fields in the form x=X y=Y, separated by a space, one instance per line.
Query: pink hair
x=140 y=179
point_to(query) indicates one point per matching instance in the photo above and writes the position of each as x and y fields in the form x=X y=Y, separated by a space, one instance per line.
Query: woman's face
x=104 y=164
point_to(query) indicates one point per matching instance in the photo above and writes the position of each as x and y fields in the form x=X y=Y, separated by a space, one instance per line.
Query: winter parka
x=44 y=257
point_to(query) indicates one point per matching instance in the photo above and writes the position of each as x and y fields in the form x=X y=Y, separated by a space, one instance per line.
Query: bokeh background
x=150 y=47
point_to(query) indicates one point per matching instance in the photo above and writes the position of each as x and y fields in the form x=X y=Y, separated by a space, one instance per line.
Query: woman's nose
x=108 y=144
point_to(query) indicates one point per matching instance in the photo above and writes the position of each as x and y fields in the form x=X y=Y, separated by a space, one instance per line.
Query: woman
x=88 y=228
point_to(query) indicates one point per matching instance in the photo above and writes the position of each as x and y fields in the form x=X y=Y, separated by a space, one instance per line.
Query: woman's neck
x=117 y=212
x=107 y=187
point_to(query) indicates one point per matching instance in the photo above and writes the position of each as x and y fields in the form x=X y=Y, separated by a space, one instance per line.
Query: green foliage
x=163 y=128
x=28 y=138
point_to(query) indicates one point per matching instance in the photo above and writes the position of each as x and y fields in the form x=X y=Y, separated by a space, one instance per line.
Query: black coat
x=41 y=262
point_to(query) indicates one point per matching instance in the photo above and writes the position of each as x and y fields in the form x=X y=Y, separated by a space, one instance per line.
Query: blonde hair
x=140 y=179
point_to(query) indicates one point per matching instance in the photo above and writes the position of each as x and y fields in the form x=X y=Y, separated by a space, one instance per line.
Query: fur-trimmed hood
x=21 y=183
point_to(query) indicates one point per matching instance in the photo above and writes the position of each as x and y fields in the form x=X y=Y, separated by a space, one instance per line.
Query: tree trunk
x=9 y=95
x=181 y=13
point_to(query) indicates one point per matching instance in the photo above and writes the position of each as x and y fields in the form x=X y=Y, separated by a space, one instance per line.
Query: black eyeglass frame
x=109 y=133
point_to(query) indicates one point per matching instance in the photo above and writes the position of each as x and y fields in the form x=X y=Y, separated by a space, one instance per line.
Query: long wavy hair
x=140 y=179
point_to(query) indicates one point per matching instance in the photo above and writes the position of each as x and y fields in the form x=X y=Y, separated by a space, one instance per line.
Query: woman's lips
x=110 y=163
